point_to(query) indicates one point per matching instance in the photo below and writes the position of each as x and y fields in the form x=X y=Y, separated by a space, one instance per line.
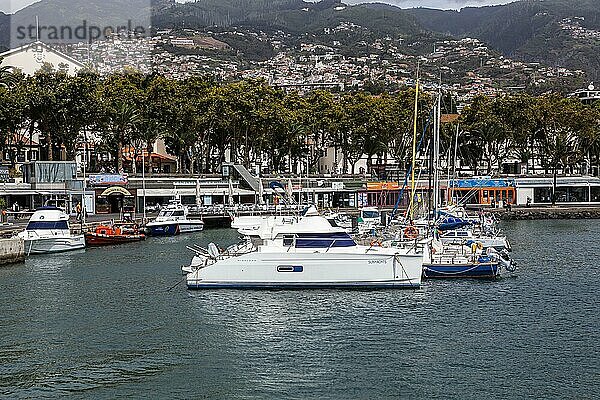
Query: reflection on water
x=102 y=323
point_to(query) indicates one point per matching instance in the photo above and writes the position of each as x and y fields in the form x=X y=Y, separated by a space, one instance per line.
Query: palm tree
x=7 y=77
x=122 y=120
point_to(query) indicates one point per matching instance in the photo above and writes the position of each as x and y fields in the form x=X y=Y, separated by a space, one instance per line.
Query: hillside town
x=462 y=68
x=467 y=67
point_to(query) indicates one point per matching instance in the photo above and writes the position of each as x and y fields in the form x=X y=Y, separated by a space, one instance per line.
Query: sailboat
x=465 y=259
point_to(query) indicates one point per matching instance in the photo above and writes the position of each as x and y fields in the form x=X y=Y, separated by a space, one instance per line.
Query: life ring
x=411 y=232
x=375 y=242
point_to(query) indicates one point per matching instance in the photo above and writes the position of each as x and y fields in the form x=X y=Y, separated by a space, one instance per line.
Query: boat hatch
x=290 y=268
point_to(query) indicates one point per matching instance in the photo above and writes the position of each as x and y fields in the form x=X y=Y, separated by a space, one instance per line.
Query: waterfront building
x=588 y=95
x=32 y=57
x=570 y=190
x=43 y=181
x=482 y=191
x=111 y=193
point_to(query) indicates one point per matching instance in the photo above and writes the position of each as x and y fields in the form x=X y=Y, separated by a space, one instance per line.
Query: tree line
x=203 y=121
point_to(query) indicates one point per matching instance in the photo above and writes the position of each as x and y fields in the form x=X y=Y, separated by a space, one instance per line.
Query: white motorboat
x=48 y=232
x=303 y=252
x=174 y=219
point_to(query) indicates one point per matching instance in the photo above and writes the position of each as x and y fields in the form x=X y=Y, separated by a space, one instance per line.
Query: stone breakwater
x=11 y=251
x=548 y=213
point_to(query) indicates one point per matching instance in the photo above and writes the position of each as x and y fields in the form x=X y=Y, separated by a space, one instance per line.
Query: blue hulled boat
x=481 y=267
x=173 y=220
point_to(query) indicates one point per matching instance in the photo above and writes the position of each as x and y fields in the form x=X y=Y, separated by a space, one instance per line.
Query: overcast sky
x=9 y=6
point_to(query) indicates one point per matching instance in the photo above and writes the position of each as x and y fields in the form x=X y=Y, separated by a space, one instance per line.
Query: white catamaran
x=303 y=252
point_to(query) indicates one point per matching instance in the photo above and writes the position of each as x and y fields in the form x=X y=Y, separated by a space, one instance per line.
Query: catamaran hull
x=450 y=271
x=309 y=270
x=54 y=245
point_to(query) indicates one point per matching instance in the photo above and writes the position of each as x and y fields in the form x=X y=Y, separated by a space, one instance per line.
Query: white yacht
x=48 y=232
x=173 y=220
x=303 y=252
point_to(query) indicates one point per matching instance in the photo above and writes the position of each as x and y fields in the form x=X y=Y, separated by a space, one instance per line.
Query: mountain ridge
x=529 y=30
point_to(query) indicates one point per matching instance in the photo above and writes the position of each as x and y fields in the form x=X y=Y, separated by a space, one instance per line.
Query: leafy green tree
x=120 y=97
x=561 y=123
x=518 y=119
x=14 y=120
x=322 y=114
x=486 y=137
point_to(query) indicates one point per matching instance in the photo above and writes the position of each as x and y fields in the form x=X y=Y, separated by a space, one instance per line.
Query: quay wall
x=517 y=214
x=12 y=250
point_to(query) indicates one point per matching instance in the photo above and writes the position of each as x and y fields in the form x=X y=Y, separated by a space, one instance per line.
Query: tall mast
x=414 y=150
x=454 y=161
x=436 y=154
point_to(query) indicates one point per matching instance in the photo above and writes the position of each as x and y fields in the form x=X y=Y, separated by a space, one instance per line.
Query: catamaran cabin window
x=288 y=240
x=324 y=240
x=165 y=213
x=178 y=213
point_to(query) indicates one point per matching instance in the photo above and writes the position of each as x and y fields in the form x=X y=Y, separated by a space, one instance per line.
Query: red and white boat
x=105 y=235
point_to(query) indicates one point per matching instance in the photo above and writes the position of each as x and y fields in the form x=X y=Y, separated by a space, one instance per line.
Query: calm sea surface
x=102 y=323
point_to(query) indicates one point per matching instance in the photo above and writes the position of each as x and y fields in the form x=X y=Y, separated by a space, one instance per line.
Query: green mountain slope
x=533 y=30
x=293 y=16
x=64 y=16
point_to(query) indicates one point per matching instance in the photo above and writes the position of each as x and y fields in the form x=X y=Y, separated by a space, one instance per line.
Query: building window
x=595 y=193
x=542 y=195
x=577 y=194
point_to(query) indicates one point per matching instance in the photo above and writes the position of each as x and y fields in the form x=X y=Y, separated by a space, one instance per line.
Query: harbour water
x=102 y=323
